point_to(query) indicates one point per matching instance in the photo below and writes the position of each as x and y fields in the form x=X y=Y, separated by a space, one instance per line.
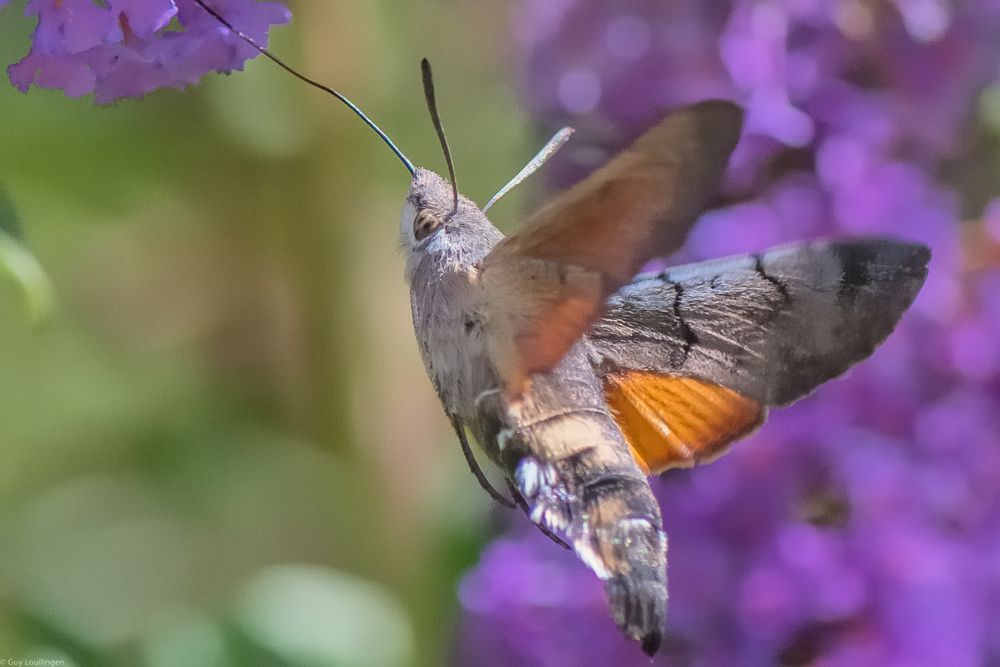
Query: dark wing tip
x=921 y=253
x=877 y=280
x=905 y=252
x=919 y=258
x=898 y=259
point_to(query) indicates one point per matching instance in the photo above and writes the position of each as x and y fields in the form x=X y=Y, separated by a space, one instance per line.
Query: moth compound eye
x=425 y=223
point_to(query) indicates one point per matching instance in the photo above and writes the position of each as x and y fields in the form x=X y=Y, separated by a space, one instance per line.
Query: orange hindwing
x=673 y=422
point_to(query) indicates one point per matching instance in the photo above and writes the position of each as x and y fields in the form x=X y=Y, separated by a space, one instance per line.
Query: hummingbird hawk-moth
x=579 y=378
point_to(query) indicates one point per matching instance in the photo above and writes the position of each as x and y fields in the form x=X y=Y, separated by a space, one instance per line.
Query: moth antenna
x=548 y=150
x=315 y=84
x=425 y=68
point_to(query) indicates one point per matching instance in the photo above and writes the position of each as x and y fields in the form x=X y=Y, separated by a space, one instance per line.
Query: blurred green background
x=220 y=446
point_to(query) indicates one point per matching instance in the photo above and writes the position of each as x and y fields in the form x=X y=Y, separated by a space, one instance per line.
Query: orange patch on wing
x=671 y=421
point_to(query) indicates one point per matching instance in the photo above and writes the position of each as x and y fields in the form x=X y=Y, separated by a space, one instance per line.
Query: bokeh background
x=217 y=442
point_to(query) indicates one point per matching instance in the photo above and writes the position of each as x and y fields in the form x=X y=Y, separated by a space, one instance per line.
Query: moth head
x=439 y=223
x=433 y=204
x=430 y=222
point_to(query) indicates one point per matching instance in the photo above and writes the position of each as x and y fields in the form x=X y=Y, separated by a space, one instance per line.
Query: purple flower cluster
x=861 y=527
x=127 y=48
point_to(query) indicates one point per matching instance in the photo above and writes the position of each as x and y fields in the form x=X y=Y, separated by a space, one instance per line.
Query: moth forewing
x=640 y=205
x=514 y=293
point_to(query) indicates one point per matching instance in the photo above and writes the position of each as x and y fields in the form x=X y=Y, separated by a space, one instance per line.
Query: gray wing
x=771 y=326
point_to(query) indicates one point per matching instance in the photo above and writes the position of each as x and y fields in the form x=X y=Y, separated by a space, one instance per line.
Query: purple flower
x=127 y=48
x=69 y=27
x=861 y=527
x=531 y=591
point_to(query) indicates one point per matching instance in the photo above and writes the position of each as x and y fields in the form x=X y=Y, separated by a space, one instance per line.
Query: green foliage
x=21 y=265
x=228 y=391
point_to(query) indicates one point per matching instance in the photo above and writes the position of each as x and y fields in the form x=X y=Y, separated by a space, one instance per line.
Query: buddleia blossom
x=127 y=48
x=861 y=527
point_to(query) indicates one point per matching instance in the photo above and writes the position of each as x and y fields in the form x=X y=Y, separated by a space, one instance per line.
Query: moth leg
x=474 y=465
x=523 y=504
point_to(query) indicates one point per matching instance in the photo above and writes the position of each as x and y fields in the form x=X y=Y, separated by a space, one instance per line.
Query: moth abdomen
x=623 y=533
x=637 y=595
x=599 y=501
